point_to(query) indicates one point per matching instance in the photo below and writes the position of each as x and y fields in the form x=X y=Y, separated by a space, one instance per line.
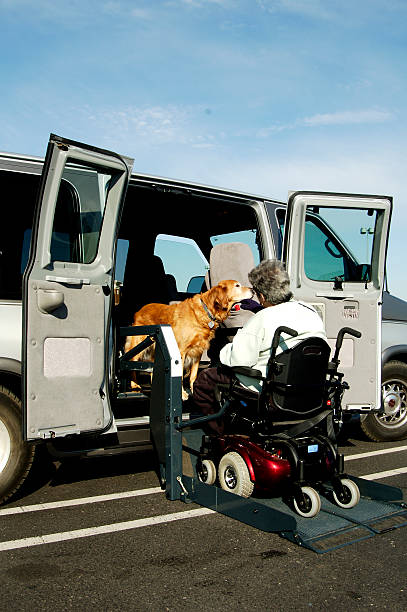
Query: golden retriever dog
x=193 y=321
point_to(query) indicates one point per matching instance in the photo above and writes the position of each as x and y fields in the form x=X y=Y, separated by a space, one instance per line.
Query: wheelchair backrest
x=296 y=378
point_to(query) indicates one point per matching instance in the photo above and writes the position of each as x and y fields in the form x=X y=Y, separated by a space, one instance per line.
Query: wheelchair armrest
x=246 y=371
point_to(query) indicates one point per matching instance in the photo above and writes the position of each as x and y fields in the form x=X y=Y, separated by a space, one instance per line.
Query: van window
x=182 y=259
x=323 y=260
x=339 y=243
x=122 y=250
x=18 y=197
x=79 y=213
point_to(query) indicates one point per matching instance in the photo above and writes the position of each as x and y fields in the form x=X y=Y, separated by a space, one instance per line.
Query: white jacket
x=252 y=344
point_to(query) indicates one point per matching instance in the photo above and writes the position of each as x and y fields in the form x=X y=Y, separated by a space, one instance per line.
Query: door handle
x=49 y=300
x=67 y=280
x=336 y=295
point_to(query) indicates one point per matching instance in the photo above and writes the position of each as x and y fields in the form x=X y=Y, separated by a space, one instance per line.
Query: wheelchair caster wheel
x=349 y=496
x=234 y=475
x=207 y=472
x=308 y=504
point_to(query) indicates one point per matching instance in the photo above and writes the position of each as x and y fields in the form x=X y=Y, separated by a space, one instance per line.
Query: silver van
x=101 y=242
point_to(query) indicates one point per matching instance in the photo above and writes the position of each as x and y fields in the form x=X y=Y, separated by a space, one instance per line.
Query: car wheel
x=350 y=496
x=234 y=475
x=308 y=504
x=391 y=424
x=16 y=456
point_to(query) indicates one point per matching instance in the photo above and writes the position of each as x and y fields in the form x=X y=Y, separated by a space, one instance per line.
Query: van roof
x=157 y=179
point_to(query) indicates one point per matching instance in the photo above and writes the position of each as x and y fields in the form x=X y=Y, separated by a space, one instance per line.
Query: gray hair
x=271 y=279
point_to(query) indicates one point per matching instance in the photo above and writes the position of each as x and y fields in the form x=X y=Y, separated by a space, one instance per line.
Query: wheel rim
x=203 y=473
x=230 y=477
x=308 y=504
x=349 y=496
x=5 y=446
x=305 y=503
x=345 y=496
x=394 y=394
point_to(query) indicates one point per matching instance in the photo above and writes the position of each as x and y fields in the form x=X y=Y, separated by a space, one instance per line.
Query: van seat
x=231 y=260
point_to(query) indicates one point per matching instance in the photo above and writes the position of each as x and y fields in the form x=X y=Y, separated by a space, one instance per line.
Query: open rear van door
x=335 y=252
x=67 y=289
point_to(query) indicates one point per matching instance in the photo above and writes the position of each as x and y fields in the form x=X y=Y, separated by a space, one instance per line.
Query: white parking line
x=153 y=490
x=79 y=501
x=384 y=451
x=144 y=522
x=377 y=475
x=102 y=529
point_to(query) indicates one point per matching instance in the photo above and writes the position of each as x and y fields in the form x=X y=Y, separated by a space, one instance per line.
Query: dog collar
x=213 y=319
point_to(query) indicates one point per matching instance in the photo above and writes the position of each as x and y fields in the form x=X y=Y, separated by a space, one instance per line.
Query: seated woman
x=252 y=344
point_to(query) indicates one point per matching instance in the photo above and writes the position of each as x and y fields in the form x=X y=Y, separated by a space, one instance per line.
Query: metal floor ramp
x=332 y=528
x=380 y=509
x=335 y=527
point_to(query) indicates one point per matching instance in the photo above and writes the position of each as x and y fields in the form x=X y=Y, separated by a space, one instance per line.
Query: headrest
x=230 y=260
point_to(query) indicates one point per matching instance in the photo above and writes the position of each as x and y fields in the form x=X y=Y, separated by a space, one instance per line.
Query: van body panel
x=394 y=309
x=394 y=336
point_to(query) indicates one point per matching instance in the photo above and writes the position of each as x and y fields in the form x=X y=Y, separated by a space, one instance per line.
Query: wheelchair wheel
x=234 y=475
x=350 y=496
x=207 y=472
x=309 y=504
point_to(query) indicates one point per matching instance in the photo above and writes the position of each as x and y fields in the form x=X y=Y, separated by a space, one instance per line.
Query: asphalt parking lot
x=98 y=534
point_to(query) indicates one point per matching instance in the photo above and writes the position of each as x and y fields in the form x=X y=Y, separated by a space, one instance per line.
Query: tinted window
x=322 y=259
x=18 y=197
x=339 y=243
x=182 y=259
x=79 y=213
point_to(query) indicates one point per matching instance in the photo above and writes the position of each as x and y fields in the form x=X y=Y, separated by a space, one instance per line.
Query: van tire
x=392 y=423
x=16 y=456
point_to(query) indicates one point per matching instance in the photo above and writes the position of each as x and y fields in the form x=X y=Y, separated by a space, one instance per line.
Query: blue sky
x=260 y=95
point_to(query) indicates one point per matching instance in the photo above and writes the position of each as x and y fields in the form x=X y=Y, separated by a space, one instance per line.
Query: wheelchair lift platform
x=380 y=509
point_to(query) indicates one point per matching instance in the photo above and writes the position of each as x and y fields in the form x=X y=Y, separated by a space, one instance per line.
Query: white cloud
x=310 y=8
x=348 y=117
x=204 y=3
x=157 y=123
x=204 y=145
x=338 y=10
x=69 y=12
x=131 y=128
x=141 y=13
x=367 y=116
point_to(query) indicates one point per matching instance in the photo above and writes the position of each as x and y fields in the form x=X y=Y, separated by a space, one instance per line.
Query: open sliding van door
x=335 y=250
x=67 y=289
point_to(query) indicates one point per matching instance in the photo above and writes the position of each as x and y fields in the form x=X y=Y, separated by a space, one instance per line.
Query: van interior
x=165 y=241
